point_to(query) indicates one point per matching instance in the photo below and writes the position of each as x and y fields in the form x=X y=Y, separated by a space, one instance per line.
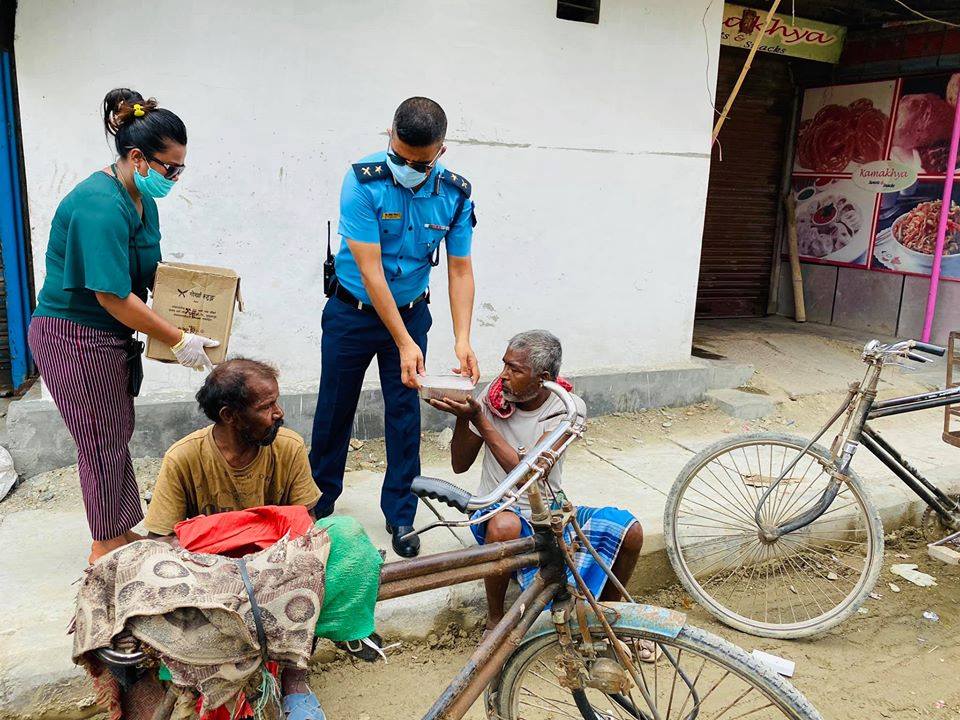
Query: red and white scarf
x=500 y=406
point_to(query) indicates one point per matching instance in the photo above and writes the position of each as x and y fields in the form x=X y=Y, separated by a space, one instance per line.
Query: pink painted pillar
x=942 y=228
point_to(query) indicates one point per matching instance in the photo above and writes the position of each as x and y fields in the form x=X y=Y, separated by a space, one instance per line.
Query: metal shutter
x=743 y=196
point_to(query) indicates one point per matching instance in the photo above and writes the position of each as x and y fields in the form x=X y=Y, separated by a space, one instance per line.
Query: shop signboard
x=785 y=34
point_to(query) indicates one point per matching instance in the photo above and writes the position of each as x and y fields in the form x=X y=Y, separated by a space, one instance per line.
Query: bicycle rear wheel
x=710 y=680
x=801 y=584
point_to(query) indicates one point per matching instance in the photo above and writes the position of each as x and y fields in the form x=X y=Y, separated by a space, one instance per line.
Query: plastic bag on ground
x=8 y=475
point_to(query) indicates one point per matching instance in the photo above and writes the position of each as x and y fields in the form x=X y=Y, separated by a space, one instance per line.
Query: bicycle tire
x=700 y=643
x=813 y=626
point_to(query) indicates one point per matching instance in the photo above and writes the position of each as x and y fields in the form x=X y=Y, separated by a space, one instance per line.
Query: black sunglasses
x=171 y=170
x=415 y=165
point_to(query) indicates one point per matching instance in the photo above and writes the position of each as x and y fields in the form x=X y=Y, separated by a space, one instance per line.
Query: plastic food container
x=454 y=387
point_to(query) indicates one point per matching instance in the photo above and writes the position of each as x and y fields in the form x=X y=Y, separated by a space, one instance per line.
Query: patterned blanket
x=193 y=611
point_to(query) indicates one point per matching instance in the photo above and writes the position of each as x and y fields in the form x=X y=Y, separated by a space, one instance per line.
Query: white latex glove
x=190 y=351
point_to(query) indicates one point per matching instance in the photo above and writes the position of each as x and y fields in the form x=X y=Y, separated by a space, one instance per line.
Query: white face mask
x=406 y=175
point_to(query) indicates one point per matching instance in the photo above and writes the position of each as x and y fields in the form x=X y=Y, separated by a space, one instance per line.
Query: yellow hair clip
x=138 y=110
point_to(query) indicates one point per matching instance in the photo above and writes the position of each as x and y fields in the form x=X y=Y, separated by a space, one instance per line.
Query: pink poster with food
x=868 y=174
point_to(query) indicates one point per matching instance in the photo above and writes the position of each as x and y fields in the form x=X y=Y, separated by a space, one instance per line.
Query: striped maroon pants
x=86 y=372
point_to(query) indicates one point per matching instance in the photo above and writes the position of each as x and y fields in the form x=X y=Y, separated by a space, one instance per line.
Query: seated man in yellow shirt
x=245 y=459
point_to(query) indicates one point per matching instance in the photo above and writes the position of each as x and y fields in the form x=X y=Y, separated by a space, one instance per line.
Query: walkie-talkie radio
x=329 y=269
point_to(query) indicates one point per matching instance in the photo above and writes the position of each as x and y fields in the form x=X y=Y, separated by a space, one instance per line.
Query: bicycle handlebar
x=463 y=501
x=445 y=492
x=929 y=349
x=875 y=351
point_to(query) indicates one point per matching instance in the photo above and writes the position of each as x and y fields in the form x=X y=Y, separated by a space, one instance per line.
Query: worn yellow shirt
x=195 y=479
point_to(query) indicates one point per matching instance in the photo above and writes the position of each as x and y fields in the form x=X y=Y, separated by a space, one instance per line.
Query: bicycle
x=580 y=657
x=775 y=535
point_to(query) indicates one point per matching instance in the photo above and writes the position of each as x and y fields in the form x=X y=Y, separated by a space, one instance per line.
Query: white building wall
x=588 y=148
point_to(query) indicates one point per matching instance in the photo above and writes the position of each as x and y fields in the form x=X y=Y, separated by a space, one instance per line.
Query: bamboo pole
x=800 y=311
x=744 y=71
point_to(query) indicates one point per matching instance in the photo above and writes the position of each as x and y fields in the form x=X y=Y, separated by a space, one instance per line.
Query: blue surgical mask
x=406 y=175
x=154 y=184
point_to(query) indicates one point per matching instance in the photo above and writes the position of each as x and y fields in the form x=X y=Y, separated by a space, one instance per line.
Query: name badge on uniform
x=431 y=226
x=391 y=216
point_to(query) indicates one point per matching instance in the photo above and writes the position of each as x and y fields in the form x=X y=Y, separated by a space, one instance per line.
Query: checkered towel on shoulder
x=604 y=527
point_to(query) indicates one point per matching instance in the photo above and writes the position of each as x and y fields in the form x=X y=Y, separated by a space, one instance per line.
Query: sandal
x=649 y=651
x=368 y=649
x=302 y=706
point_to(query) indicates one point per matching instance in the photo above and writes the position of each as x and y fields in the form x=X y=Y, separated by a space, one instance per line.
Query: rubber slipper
x=302 y=706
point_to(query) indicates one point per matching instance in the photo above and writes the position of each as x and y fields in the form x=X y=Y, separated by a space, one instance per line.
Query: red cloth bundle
x=242 y=532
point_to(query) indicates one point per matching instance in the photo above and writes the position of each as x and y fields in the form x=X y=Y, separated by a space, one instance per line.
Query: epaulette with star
x=368 y=171
x=458 y=181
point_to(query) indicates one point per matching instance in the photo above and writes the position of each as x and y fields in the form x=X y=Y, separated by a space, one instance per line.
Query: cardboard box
x=198 y=299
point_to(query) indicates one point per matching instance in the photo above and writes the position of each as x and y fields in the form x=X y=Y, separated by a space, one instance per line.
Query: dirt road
x=887 y=663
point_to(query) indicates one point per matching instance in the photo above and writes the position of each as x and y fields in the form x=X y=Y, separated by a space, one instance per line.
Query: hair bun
x=122 y=106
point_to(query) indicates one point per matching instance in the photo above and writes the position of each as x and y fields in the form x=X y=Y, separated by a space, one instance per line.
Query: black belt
x=341 y=293
x=254 y=609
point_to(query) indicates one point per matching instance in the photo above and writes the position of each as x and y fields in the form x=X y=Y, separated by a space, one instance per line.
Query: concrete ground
x=627 y=459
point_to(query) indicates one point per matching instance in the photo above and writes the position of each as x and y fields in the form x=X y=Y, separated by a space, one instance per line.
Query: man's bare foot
x=294 y=681
x=99 y=548
x=491 y=624
x=131 y=536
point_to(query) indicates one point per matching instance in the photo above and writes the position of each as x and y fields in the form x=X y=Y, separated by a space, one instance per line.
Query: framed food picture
x=907 y=232
x=843 y=125
x=924 y=122
x=834 y=220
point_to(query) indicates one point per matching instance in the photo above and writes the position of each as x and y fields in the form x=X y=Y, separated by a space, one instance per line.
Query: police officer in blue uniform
x=396 y=210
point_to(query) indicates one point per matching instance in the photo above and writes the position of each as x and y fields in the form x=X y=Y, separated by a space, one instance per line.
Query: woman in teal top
x=101 y=258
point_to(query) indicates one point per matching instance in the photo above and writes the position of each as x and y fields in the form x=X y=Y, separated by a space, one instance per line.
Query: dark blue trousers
x=351 y=339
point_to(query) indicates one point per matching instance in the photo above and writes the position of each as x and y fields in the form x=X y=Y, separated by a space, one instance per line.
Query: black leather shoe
x=404 y=548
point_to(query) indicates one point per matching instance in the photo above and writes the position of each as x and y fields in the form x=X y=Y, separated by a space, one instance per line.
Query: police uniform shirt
x=409 y=226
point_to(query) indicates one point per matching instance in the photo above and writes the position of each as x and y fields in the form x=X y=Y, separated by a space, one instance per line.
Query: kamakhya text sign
x=785 y=34
x=884 y=176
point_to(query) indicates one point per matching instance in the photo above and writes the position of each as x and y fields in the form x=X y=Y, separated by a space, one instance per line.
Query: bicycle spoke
x=729 y=517
x=714 y=527
x=796 y=493
x=737 y=480
x=749 y=505
x=751 y=712
x=578 y=716
x=740 y=547
x=787 y=539
x=673 y=685
x=691 y=686
x=731 y=705
x=812 y=584
x=740 y=565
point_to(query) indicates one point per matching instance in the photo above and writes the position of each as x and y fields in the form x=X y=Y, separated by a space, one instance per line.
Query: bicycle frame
x=860 y=407
x=408 y=577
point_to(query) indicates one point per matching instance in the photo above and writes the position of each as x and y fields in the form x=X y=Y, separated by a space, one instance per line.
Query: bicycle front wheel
x=697 y=676
x=800 y=584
